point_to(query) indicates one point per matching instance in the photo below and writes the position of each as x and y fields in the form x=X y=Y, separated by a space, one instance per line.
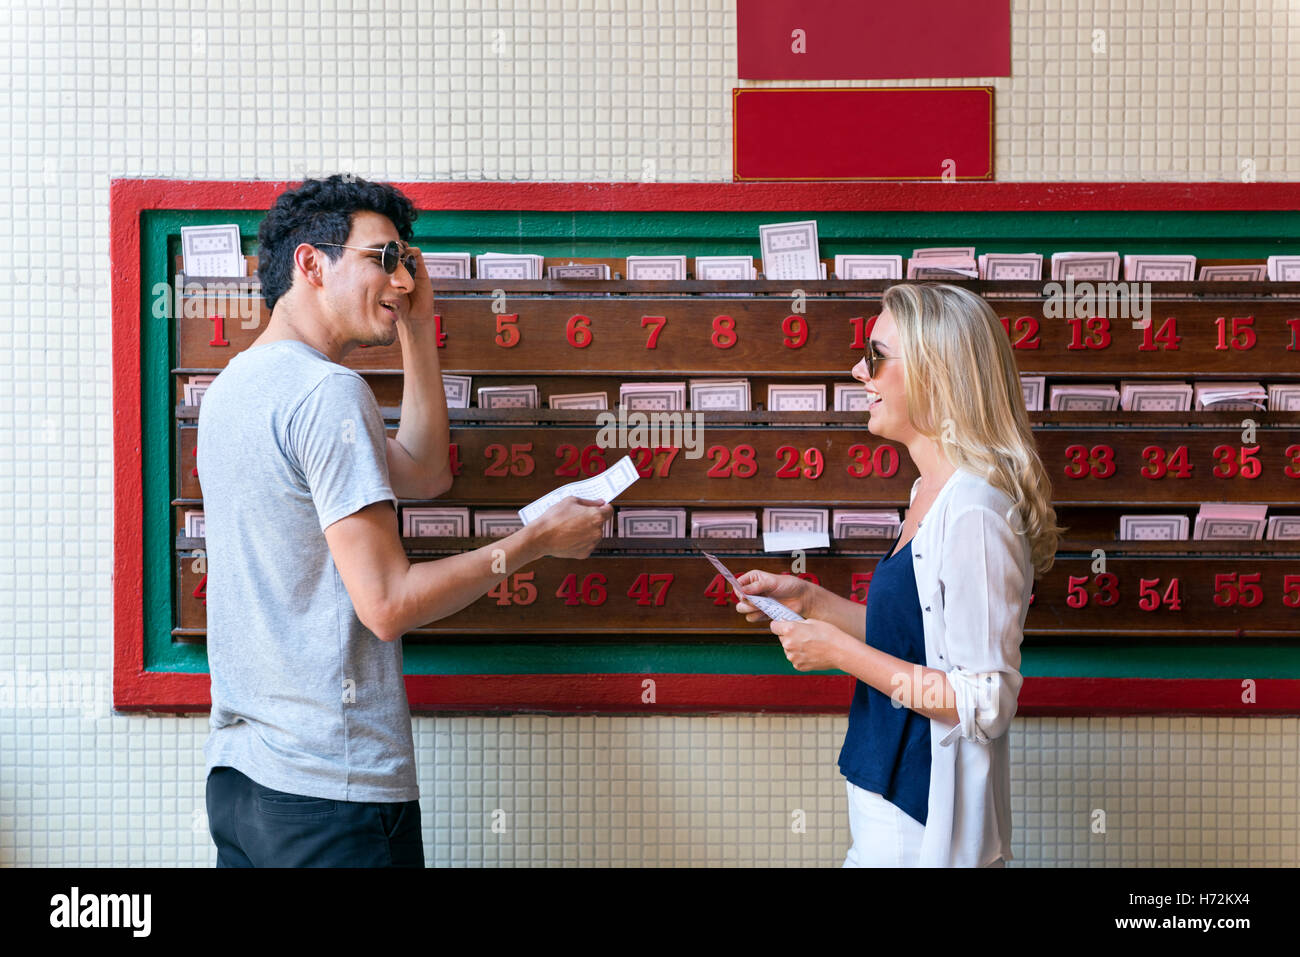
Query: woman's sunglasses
x=872 y=357
x=390 y=254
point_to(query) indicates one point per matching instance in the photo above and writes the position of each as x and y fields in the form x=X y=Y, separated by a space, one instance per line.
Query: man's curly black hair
x=320 y=211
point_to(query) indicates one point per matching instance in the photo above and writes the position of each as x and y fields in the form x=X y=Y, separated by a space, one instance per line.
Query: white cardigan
x=973 y=577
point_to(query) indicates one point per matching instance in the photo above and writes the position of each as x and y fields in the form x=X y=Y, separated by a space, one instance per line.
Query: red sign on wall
x=873 y=39
x=925 y=133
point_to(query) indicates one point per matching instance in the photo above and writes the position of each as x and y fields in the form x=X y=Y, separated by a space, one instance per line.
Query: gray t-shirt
x=305 y=698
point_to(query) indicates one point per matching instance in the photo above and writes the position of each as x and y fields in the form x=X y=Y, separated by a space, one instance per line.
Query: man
x=310 y=756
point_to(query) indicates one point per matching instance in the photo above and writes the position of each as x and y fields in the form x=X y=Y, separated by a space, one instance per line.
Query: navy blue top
x=887 y=748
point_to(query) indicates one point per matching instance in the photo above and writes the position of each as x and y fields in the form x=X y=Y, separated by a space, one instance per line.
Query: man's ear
x=309 y=263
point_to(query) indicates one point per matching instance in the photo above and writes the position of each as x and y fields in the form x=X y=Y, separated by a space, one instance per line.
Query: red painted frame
x=135 y=689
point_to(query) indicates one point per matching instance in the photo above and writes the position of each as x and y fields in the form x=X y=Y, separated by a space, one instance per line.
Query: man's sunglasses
x=390 y=254
x=873 y=357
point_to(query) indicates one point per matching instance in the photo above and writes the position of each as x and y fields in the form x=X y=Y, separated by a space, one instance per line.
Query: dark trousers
x=254 y=826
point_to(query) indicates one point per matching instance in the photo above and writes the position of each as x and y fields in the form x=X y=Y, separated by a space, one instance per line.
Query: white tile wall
x=572 y=90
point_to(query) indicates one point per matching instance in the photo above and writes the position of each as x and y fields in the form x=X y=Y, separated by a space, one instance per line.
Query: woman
x=926 y=755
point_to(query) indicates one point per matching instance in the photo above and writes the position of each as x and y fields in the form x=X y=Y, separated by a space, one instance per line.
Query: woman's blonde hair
x=963 y=390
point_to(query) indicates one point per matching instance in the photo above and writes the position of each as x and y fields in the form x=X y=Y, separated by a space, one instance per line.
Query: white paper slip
x=447 y=265
x=1032 y=388
x=651 y=523
x=1230 y=396
x=508 y=266
x=1155 y=396
x=942 y=268
x=1091 y=266
x=851 y=397
x=1222 y=521
x=507 y=397
x=212 y=251
x=796 y=398
x=879 y=523
x=945 y=252
x=656 y=267
x=1247 y=272
x=1152 y=268
x=1280 y=268
x=435 y=522
x=1285 y=527
x=653 y=396
x=768 y=606
x=195 y=524
x=725 y=267
x=456 y=390
x=801 y=520
x=790 y=250
x=1153 y=528
x=496 y=523
x=857 y=266
x=194 y=388
x=580 y=400
x=1083 y=398
x=730 y=395
x=724 y=524
x=789 y=541
x=1284 y=398
x=605 y=486
x=1011 y=266
x=578 y=271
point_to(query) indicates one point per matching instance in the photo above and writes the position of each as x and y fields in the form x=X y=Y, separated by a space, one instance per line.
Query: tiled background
x=426 y=89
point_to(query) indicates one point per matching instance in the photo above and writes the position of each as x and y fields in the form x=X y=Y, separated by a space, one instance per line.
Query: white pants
x=883 y=835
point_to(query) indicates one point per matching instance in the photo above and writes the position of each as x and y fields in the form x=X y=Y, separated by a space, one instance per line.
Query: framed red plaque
x=899 y=133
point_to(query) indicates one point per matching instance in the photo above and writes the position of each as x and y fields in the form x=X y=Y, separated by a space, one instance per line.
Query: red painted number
x=507 y=331
x=1098 y=333
x=1167 y=336
x=724 y=332
x=808 y=466
x=1238 y=589
x=650 y=589
x=859 y=580
x=517 y=462
x=591 y=592
x=1292 y=469
x=732 y=463
x=1243 y=336
x=720 y=591
x=453 y=458
x=590 y=461
x=1236 y=461
x=1023 y=331
x=218 y=331
x=882 y=462
x=578 y=332
x=1107 y=590
x=1098 y=462
x=656 y=324
x=1160 y=463
x=862 y=326
x=644 y=460
x=518 y=589
x=1150 y=598
x=1291 y=591
x=796 y=331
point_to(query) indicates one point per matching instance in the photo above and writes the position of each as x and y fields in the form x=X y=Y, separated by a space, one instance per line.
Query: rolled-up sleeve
x=983 y=576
